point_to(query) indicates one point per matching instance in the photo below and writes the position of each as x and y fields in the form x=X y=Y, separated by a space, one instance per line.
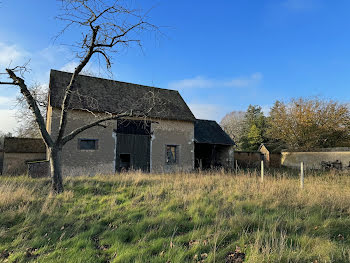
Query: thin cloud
x=196 y=82
x=6 y=101
x=11 y=55
x=8 y=120
x=207 y=111
x=90 y=69
x=51 y=53
x=70 y=66
x=202 y=82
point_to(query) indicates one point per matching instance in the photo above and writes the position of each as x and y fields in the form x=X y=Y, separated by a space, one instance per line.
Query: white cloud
x=207 y=111
x=6 y=101
x=51 y=54
x=90 y=69
x=202 y=82
x=11 y=55
x=70 y=66
x=197 y=82
x=8 y=121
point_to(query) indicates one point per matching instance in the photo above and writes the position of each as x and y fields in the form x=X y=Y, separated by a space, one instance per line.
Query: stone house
x=161 y=141
x=17 y=152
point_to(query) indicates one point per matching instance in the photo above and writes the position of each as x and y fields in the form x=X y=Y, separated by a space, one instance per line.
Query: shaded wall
x=275 y=160
x=248 y=159
x=213 y=155
x=16 y=163
x=314 y=159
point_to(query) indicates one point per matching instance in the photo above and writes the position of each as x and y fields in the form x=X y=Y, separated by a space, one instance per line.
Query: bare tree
x=27 y=125
x=232 y=123
x=106 y=26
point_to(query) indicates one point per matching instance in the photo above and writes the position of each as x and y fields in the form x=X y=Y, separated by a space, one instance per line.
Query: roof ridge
x=206 y=120
x=136 y=84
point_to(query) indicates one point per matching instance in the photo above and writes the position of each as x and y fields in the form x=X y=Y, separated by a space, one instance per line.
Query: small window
x=171 y=154
x=87 y=144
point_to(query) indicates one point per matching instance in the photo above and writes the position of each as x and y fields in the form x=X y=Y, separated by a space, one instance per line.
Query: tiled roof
x=24 y=145
x=104 y=95
x=207 y=131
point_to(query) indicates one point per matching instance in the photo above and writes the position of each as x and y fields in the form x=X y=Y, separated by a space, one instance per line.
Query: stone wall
x=248 y=159
x=85 y=162
x=179 y=133
x=16 y=163
x=102 y=160
x=313 y=159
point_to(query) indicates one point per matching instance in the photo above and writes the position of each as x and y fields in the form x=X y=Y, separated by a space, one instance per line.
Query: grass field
x=176 y=218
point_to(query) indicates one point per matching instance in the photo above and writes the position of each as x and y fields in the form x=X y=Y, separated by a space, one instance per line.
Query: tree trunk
x=56 y=170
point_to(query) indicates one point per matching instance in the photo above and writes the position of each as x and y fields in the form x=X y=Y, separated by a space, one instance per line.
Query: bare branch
x=74 y=133
x=67 y=96
x=108 y=61
x=8 y=83
x=32 y=105
x=113 y=41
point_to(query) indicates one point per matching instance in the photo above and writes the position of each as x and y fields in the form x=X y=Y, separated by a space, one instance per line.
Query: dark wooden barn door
x=133 y=152
x=133 y=146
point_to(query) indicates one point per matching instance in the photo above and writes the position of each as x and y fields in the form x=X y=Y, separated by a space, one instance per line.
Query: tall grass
x=182 y=217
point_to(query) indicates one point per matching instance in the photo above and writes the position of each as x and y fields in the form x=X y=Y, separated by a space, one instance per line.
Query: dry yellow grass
x=14 y=194
x=179 y=217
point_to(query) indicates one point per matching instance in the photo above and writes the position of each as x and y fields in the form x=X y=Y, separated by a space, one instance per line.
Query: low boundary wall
x=312 y=160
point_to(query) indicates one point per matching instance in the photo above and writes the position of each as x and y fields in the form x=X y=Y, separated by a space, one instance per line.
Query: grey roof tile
x=24 y=145
x=207 y=131
x=104 y=95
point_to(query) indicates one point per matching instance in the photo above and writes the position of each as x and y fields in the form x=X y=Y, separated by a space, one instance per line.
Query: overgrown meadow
x=199 y=217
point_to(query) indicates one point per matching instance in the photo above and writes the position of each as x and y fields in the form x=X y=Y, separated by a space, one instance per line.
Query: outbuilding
x=213 y=147
x=18 y=151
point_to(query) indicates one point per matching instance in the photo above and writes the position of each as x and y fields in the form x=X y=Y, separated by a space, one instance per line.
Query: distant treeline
x=297 y=124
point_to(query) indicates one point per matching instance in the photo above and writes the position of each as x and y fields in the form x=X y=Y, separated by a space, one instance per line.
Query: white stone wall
x=313 y=159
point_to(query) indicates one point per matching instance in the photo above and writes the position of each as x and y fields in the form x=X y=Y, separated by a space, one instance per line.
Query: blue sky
x=221 y=55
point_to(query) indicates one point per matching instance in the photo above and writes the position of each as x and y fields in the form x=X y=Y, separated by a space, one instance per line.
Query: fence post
x=302 y=175
x=236 y=166
x=262 y=171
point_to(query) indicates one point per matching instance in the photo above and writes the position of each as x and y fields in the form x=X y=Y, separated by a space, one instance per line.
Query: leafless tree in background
x=106 y=26
x=232 y=123
x=27 y=125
